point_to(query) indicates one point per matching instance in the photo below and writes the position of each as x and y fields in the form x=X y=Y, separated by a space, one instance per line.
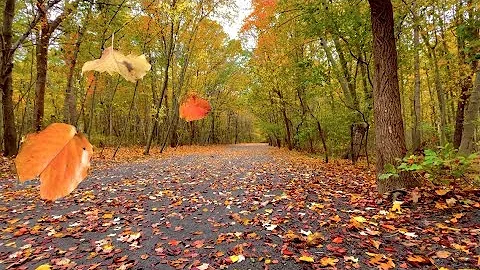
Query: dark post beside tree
x=389 y=133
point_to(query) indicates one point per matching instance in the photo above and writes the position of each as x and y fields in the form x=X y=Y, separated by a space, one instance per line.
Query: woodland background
x=299 y=76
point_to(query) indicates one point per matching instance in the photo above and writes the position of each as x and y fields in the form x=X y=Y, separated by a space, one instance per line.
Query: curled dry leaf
x=130 y=67
x=59 y=155
x=194 y=108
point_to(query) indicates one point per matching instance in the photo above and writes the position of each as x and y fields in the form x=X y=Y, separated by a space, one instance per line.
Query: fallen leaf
x=306 y=259
x=396 y=207
x=327 y=261
x=44 y=267
x=442 y=192
x=451 y=202
x=443 y=254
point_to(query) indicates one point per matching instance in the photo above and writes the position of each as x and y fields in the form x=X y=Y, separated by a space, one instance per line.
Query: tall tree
x=389 y=132
x=467 y=145
x=6 y=66
x=43 y=41
x=417 y=102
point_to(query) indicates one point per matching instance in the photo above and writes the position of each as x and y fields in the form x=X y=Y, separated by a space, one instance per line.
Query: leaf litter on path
x=241 y=207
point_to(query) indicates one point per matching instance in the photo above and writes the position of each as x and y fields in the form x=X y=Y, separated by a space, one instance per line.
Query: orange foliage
x=263 y=11
x=59 y=155
x=194 y=108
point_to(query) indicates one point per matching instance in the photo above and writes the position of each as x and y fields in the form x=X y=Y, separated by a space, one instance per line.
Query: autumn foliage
x=59 y=155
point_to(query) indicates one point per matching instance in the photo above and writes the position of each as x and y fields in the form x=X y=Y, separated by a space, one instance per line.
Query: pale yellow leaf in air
x=130 y=67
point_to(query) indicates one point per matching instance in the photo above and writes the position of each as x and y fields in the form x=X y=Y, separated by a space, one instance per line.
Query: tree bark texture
x=389 y=132
x=467 y=145
x=6 y=66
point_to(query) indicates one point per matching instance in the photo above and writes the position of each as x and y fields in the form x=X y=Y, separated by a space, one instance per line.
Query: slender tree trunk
x=417 y=102
x=390 y=136
x=40 y=83
x=467 y=146
x=439 y=90
x=6 y=66
x=341 y=79
x=465 y=80
x=69 y=106
x=441 y=101
x=43 y=40
x=236 y=129
x=169 y=55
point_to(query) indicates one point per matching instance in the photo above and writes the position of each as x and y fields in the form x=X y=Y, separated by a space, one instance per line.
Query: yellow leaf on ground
x=396 y=207
x=327 y=261
x=306 y=259
x=107 y=216
x=360 y=219
x=44 y=267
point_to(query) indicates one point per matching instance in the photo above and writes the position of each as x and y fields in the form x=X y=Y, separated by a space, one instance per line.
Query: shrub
x=442 y=166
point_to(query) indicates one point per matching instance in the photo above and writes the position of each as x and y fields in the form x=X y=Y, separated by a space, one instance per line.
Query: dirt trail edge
x=237 y=207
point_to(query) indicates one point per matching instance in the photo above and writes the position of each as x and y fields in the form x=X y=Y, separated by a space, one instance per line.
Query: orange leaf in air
x=59 y=155
x=194 y=108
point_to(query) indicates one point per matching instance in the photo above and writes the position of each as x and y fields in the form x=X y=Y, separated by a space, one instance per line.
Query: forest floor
x=243 y=207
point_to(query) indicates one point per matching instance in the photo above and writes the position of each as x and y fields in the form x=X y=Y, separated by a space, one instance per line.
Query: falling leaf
x=327 y=261
x=194 y=108
x=130 y=67
x=59 y=155
x=306 y=259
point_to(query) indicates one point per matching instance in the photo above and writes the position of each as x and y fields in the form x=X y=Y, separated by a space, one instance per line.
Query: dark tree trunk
x=6 y=66
x=69 y=106
x=40 y=84
x=389 y=132
x=467 y=146
x=46 y=30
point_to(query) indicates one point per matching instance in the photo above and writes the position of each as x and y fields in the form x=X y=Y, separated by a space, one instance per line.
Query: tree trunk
x=417 y=103
x=43 y=40
x=6 y=66
x=69 y=105
x=40 y=83
x=467 y=145
x=169 y=56
x=389 y=132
